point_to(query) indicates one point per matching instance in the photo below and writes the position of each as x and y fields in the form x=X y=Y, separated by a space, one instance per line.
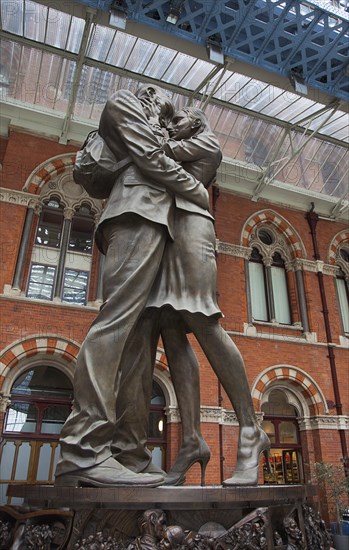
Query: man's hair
x=147 y=518
x=168 y=111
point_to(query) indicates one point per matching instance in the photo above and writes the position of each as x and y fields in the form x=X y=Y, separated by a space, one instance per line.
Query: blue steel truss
x=283 y=37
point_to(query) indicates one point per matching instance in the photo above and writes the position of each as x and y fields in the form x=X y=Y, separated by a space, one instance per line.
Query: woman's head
x=188 y=122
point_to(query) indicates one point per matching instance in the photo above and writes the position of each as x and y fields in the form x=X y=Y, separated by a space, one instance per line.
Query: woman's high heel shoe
x=185 y=460
x=247 y=468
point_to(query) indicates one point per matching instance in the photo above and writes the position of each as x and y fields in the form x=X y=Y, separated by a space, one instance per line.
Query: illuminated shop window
x=280 y=423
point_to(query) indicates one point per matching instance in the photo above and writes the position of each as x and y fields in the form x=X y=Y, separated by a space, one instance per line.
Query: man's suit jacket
x=148 y=186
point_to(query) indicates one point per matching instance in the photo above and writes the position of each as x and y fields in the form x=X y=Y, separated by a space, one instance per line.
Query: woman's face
x=182 y=126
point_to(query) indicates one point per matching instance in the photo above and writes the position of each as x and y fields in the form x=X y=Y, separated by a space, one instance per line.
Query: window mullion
x=68 y=216
x=302 y=300
x=270 y=293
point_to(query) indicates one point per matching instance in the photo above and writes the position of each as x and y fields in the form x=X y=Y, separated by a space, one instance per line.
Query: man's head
x=187 y=122
x=152 y=522
x=173 y=537
x=155 y=102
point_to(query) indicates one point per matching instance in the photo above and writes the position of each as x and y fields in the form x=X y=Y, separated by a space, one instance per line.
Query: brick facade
x=273 y=354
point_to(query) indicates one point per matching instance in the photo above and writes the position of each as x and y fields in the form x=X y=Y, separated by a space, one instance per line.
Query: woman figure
x=182 y=300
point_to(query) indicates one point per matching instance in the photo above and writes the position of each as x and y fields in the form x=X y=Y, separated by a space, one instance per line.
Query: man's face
x=160 y=526
x=154 y=104
x=181 y=126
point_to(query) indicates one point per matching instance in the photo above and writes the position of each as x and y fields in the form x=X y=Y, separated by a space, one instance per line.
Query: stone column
x=68 y=216
x=33 y=208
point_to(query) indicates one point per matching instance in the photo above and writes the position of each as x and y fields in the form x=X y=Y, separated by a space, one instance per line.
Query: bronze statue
x=132 y=232
x=183 y=300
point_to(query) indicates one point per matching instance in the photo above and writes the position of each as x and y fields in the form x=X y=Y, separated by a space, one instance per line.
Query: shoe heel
x=203 y=463
x=266 y=453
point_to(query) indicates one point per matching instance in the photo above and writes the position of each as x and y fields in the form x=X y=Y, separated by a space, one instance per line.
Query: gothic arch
x=281 y=225
x=296 y=380
x=162 y=376
x=55 y=351
x=341 y=238
x=53 y=178
x=48 y=170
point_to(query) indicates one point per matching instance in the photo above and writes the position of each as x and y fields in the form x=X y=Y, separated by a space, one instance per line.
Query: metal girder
x=77 y=75
x=310 y=38
x=268 y=175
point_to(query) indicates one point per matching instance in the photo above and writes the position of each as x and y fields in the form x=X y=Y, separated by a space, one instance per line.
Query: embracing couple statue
x=159 y=280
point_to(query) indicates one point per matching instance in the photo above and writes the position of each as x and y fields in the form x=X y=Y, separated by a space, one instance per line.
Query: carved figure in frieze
x=277 y=539
x=38 y=537
x=295 y=540
x=5 y=533
x=173 y=538
x=316 y=533
x=152 y=525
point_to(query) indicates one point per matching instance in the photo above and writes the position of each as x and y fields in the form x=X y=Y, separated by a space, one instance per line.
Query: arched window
x=269 y=294
x=280 y=423
x=61 y=254
x=157 y=426
x=342 y=284
x=40 y=403
x=61 y=257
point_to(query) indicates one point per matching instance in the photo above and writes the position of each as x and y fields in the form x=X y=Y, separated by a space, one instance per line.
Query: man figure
x=132 y=233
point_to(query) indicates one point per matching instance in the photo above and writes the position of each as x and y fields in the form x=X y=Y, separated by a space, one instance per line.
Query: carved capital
x=267 y=261
x=234 y=250
x=172 y=414
x=5 y=401
x=68 y=213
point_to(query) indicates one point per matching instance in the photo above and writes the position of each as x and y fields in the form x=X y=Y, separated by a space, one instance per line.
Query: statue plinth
x=262 y=516
x=169 y=498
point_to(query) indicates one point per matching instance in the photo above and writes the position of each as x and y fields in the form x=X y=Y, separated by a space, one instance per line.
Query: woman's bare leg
x=227 y=362
x=184 y=370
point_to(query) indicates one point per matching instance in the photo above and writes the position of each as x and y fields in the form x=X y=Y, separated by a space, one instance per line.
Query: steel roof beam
x=80 y=61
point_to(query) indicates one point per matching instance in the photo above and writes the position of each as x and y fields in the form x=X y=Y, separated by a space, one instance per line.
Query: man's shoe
x=153 y=469
x=109 y=473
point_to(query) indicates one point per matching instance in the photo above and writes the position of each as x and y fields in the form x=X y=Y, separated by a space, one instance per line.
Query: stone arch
x=48 y=170
x=55 y=351
x=297 y=381
x=281 y=225
x=162 y=376
x=53 y=179
x=339 y=239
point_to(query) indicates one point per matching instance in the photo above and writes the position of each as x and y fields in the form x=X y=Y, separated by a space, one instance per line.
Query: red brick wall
x=22 y=318
x=24 y=153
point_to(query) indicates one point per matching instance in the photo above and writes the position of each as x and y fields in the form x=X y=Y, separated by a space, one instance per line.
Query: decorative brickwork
x=21 y=351
x=282 y=226
x=296 y=378
x=47 y=171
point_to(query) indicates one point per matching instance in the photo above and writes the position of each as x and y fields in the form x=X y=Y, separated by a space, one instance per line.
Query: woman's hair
x=198 y=114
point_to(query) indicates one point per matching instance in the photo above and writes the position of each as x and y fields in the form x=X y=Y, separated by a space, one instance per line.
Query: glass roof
x=43 y=54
